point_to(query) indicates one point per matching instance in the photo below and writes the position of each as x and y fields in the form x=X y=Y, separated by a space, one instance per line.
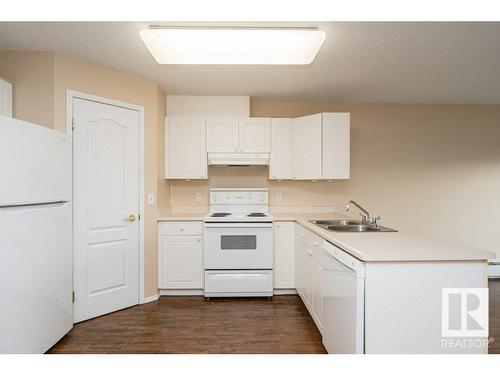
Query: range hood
x=237 y=158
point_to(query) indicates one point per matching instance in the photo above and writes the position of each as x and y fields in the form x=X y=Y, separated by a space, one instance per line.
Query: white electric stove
x=238 y=243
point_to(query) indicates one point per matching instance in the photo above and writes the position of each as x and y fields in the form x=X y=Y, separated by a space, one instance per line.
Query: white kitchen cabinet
x=317 y=290
x=180 y=256
x=280 y=163
x=185 y=148
x=222 y=134
x=303 y=255
x=284 y=255
x=254 y=134
x=321 y=146
x=309 y=272
x=306 y=146
x=336 y=146
x=5 y=98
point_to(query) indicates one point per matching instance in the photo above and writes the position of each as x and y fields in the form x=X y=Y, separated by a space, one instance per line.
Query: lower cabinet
x=284 y=255
x=180 y=255
x=303 y=255
x=309 y=272
x=317 y=291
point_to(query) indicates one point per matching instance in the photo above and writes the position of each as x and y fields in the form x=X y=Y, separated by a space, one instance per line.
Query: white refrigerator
x=35 y=237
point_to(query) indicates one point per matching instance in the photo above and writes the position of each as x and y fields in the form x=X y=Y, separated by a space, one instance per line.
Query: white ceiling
x=362 y=62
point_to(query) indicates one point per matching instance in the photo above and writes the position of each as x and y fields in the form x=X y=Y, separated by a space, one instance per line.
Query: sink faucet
x=365 y=215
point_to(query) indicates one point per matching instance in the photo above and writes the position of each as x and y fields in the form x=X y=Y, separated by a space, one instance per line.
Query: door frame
x=72 y=94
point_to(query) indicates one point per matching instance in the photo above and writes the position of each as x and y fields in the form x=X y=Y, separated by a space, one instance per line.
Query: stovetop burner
x=220 y=214
x=256 y=214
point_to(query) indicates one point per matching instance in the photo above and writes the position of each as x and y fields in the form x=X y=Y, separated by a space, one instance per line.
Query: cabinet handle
x=316 y=244
x=309 y=252
x=181 y=229
x=199 y=240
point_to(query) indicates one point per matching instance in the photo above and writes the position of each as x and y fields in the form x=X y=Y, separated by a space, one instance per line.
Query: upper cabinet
x=280 y=163
x=185 y=153
x=336 y=146
x=250 y=135
x=254 y=135
x=314 y=147
x=321 y=147
x=306 y=146
x=222 y=134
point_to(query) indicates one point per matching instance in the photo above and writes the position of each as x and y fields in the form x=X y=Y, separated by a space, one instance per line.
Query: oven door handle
x=238 y=225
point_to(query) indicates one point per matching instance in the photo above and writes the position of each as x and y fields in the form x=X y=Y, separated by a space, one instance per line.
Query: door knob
x=131 y=218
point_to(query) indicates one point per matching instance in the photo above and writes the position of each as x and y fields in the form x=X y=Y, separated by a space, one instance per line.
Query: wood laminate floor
x=230 y=325
x=193 y=325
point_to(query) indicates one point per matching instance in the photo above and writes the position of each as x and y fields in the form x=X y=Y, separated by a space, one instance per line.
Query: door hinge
x=72 y=124
x=73 y=296
x=139 y=217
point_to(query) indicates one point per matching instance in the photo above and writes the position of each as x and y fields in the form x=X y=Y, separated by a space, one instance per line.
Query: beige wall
x=429 y=169
x=101 y=81
x=40 y=82
x=32 y=77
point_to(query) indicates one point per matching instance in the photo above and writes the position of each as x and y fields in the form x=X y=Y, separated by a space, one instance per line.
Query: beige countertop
x=374 y=246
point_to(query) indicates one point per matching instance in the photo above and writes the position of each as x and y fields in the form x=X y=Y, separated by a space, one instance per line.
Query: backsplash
x=292 y=193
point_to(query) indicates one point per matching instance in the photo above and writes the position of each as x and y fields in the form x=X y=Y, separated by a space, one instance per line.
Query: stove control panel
x=239 y=196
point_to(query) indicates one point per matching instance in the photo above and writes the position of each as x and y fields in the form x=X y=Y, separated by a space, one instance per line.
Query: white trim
x=301 y=210
x=70 y=95
x=284 y=292
x=152 y=298
x=182 y=292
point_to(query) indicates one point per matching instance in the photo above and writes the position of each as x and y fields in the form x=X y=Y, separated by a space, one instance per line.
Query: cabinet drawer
x=220 y=283
x=179 y=228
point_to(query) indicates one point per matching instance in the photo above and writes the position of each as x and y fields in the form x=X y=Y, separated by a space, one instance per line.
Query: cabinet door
x=284 y=255
x=185 y=148
x=280 y=166
x=336 y=146
x=306 y=147
x=303 y=266
x=222 y=135
x=254 y=134
x=181 y=262
x=316 y=292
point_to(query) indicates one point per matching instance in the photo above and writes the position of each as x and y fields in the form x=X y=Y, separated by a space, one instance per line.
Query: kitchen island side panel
x=403 y=304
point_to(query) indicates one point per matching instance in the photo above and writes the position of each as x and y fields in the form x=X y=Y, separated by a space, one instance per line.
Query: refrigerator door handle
x=34 y=206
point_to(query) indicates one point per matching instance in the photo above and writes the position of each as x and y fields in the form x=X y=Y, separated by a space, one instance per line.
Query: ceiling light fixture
x=233 y=45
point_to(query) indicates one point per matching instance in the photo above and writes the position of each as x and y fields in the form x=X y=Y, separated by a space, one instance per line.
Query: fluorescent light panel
x=233 y=46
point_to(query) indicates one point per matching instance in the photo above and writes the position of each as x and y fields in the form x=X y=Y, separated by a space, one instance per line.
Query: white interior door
x=106 y=208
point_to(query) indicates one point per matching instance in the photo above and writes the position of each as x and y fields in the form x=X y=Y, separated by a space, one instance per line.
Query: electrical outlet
x=279 y=196
x=151 y=198
x=197 y=197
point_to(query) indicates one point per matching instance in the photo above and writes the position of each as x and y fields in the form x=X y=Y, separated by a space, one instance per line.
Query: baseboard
x=284 y=292
x=151 y=298
x=200 y=292
x=182 y=292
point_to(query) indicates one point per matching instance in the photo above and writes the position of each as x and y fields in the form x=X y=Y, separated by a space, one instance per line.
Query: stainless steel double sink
x=353 y=226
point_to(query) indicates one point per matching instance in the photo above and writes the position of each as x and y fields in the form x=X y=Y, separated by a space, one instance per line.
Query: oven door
x=238 y=246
